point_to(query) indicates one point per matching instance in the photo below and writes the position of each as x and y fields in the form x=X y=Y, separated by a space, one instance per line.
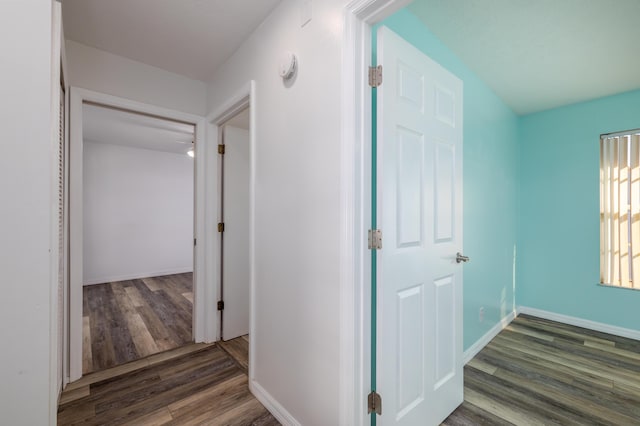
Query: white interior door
x=235 y=275
x=420 y=211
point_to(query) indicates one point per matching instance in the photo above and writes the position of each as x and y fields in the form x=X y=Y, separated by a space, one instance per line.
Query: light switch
x=305 y=12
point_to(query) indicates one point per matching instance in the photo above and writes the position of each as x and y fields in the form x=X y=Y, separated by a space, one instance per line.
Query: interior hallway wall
x=559 y=227
x=104 y=72
x=26 y=185
x=138 y=213
x=490 y=158
x=297 y=204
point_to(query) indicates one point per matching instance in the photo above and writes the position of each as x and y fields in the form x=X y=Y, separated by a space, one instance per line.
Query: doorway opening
x=138 y=198
x=232 y=131
x=137 y=278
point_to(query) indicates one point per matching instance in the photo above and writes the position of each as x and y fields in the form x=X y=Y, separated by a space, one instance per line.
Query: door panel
x=410 y=188
x=420 y=211
x=235 y=279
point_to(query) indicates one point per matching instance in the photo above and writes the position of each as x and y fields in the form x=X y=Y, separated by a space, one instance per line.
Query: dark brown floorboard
x=540 y=372
x=238 y=349
x=206 y=386
x=128 y=320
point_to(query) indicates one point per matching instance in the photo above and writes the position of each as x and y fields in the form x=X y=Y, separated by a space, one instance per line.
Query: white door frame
x=59 y=76
x=203 y=328
x=242 y=99
x=355 y=206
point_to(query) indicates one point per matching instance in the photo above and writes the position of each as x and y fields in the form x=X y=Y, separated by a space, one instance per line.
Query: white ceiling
x=540 y=54
x=116 y=127
x=188 y=37
x=535 y=54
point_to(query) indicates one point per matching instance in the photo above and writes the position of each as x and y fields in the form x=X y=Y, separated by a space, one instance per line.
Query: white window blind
x=620 y=209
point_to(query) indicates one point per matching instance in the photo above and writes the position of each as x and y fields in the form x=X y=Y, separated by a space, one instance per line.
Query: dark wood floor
x=127 y=320
x=238 y=349
x=535 y=372
x=202 y=385
x=539 y=372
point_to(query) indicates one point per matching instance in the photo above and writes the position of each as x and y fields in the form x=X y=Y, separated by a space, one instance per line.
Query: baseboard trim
x=488 y=336
x=270 y=403
x=580 y=322
x=116 y=278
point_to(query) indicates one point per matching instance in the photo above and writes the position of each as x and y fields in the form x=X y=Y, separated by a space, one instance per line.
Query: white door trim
x=355 y=206
x=243 y=98
x=58 y=78
x=202 y=329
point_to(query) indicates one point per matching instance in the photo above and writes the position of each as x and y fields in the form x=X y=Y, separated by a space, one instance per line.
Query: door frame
x=355 y=206
x=242 y=99
x=202 y=328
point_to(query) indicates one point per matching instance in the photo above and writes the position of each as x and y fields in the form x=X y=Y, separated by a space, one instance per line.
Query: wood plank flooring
x=535 y=372
x=204 y=385
x=540 y=372
x=127 y=320
x=238 y=349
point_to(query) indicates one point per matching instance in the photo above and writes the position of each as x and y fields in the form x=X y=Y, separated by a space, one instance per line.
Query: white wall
x=105 y=72
x=25 y=212
x=138 y=213
x=297 y=237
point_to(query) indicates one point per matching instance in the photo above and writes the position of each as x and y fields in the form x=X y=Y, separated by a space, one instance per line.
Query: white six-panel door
x=419 y=165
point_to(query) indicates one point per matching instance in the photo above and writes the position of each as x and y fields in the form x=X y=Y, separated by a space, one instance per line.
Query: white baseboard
x=116 y=278
x=580 y=322
x=488 y=336
x=274 y=407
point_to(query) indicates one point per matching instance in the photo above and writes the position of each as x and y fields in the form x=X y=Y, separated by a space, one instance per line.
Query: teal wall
x=559 y=231
x=490 y=185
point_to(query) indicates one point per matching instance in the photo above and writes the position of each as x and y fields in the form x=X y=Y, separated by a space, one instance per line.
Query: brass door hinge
x=221 y=305
x=221 y=149
x=220 y=227
x=375 y=403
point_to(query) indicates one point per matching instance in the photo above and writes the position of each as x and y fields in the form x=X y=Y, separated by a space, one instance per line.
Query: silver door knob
x=460 y=258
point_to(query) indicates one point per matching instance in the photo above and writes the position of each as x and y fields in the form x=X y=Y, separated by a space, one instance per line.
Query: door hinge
x=221 y=305
x=375 y=403
x=375 y=76
x=220 y=227
x=375 y=239
x=194 y=241
x=221 y=149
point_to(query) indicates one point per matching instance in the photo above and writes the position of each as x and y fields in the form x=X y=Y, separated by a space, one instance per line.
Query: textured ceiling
x=188 y=37
x=541 y=54
x=116 y=127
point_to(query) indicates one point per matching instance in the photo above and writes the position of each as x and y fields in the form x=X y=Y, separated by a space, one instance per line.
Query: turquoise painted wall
x=490 y=185
x=559 y=230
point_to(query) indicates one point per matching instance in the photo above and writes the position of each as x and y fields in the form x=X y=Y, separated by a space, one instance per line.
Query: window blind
x=620 y=209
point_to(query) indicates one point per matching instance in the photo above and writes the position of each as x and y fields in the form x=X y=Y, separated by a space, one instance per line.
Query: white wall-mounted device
x=287 y=66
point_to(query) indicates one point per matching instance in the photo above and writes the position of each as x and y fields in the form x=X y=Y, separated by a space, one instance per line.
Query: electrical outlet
x=481 y=314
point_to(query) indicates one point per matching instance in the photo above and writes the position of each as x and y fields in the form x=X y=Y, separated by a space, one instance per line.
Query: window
x=620 y=209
